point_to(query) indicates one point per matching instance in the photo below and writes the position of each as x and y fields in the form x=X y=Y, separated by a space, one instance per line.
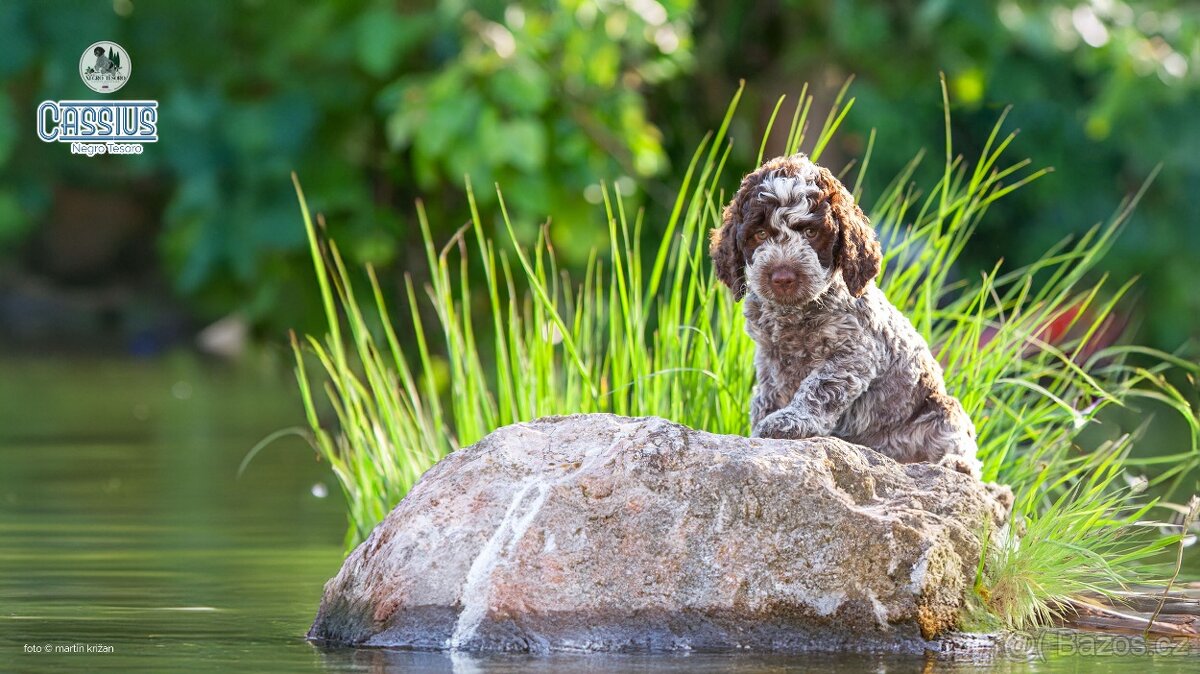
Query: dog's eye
x=760 y=235
x=810 y=232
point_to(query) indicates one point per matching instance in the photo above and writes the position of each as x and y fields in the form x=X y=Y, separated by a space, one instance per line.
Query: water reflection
x=123 y=524
x=383 y=661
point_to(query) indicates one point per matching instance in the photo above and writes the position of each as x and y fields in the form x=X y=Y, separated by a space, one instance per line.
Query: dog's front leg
x=822 y=399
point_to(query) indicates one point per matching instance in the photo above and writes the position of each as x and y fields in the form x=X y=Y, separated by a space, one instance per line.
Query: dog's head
x=791 y=227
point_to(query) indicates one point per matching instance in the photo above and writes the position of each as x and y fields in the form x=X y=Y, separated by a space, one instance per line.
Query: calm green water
x=123 y=526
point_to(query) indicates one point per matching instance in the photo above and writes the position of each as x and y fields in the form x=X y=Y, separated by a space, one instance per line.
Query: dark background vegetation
x=378 y=103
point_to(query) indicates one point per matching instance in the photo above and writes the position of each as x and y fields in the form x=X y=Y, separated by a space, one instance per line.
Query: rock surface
x=598 y=532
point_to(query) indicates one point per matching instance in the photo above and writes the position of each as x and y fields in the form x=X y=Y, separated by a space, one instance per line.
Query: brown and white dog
x=834 y=357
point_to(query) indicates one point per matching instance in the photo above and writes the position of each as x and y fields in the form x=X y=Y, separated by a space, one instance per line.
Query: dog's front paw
x=783 y=424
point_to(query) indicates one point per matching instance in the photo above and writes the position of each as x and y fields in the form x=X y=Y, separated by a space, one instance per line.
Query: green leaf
x=447 y=119
x=521 y=87
x=524 y=143
x=385 y=37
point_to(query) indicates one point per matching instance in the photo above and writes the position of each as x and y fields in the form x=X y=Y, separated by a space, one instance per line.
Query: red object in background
x=1071 y=324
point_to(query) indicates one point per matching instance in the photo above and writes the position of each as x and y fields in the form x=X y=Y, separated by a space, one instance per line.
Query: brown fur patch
x=859 y=254
x=728 y=261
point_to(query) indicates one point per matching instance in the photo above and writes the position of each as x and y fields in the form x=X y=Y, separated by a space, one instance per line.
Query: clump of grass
x=1091 y=539
x=651 y=332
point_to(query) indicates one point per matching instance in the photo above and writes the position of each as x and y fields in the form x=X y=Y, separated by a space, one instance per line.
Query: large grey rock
x=598 y=532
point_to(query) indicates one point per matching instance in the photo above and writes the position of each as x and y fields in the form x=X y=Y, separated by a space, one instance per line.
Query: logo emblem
x=105 y=67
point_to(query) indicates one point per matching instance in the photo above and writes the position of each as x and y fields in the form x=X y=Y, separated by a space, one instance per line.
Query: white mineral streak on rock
x=476 y=592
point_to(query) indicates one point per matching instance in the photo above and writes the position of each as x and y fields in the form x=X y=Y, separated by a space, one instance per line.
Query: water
x=124 y=527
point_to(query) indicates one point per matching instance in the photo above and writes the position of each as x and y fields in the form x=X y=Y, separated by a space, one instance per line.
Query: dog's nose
x=783 y=280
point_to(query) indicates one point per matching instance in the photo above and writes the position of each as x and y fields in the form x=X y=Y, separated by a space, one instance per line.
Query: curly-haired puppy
x=834 y=357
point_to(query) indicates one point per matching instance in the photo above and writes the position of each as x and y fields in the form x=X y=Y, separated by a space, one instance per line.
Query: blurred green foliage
x=377 y=103
x=373 y=103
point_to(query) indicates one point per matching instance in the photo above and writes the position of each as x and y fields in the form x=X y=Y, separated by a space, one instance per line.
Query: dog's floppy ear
x=728 y=261
x=859 y=254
